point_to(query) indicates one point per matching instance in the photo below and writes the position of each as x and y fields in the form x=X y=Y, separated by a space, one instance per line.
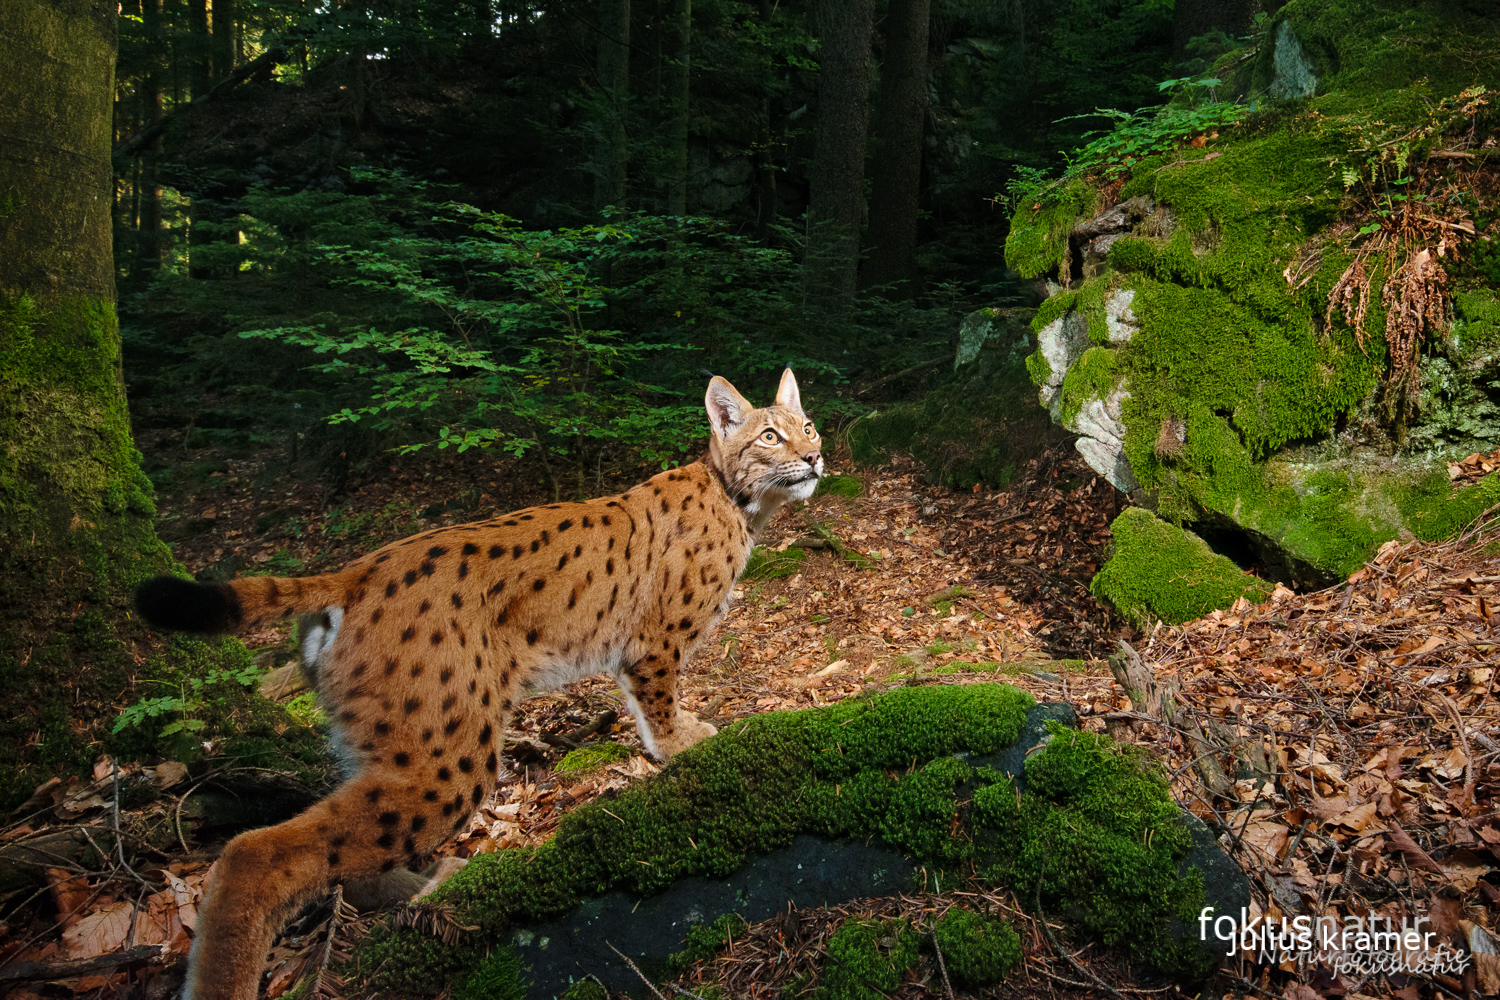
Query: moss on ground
x=1240 y=358
x=880 y=766
x=1162 y=572
x=840 y=485
x=768 y=564
x=977 y=950
x=587 y=758
x=500 y=977
x=704 y=941
x=867 y=959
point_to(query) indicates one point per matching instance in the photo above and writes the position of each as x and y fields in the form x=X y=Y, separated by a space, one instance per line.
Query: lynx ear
x=787 y=395
x=727 y=409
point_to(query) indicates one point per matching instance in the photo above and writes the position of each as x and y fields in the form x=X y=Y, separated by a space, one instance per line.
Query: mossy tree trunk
x=75 y=510
x=836 y=196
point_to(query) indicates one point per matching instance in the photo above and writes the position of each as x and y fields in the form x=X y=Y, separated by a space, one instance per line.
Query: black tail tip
x=171 y=602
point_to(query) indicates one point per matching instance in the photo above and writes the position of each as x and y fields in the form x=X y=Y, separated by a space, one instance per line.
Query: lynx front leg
x=650 y=687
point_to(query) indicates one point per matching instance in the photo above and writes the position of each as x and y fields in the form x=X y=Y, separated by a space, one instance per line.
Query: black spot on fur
x=185 y=606
x=435 y=551
x=401 y=759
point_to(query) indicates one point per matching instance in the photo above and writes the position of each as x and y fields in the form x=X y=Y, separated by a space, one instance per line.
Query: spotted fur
x=420 y=651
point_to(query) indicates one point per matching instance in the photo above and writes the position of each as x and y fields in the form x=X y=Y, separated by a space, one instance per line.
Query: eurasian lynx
x=421 y=649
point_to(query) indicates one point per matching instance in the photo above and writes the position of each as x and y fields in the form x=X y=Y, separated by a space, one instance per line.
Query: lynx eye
x=809 y=430
x=770 y=437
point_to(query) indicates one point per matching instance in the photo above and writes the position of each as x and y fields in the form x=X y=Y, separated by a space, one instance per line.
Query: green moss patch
x=1093 y=830
x=499 y=978
x=1095 y=837
x=840 y=485
x=867 y=959
x=704 y=941
x=977 y=950
x=587 y=758
x=768 y=564
x=1160 y=571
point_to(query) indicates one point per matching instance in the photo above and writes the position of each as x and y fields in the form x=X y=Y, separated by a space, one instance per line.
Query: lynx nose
x=811 y=458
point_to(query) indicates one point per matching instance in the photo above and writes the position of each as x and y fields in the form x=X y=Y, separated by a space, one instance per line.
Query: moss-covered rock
x=1092 y=831
x=1213 y=369
x=1160 y=572
x=981 y=424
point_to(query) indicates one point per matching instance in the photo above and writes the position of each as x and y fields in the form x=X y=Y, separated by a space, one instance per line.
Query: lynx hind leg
x=368 y=828
x=650 y=689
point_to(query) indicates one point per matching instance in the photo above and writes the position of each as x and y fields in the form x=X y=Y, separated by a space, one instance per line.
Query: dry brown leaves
x=1366 y=718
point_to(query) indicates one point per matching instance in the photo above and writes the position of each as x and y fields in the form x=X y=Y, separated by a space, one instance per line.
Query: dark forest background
x=360 y=226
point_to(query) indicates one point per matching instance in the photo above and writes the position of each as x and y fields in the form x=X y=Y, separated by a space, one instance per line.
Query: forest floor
x=1344 y=743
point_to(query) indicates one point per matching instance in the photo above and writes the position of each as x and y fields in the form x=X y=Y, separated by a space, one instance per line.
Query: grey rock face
x=1294 y=71
x=1102 y=440
x=1061 y=342
x=1119 y=318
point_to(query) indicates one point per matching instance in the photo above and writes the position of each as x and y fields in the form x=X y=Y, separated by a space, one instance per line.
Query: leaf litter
x=1359 y=723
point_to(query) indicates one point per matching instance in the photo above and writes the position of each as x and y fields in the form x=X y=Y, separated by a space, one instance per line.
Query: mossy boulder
x=822 y=806
x=1192 y=346
x=982 y=423
x=1160 y=572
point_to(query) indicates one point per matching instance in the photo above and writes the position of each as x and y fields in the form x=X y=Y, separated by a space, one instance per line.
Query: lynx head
x=767 y=456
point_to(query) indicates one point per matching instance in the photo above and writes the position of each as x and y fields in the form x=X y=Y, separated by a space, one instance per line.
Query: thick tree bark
x=1194 y=18
x=148 y=232
x=612 y=160
x=898 y=147
x=223 y=38
x=677 y=162
x=75 y=510
x=200 y=50
x=836 y=197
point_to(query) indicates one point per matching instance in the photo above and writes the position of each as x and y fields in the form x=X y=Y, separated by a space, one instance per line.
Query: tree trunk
x=1194 y=18
x=898 y=147
x=223 y=38
x=148 y=233
x=75 y=510
x=200 y=48
x=836 y=196
x=677 y=164
x=613 y=157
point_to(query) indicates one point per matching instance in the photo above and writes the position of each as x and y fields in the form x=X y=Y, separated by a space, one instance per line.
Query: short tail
x=170 y=602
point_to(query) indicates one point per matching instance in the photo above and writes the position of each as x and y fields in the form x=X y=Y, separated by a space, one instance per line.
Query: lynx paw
x=687 y=731
x=439 y=873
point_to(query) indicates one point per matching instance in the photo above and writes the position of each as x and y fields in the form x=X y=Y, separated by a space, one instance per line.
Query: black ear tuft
x=185 y=606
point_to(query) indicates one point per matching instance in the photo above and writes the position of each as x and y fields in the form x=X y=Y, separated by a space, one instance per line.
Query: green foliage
x=704 y=941
x=1160 y=572
x=867 y=959
x=1092 y=376
x=1096 y=839
x=587 y=758
x=978 y=950
x=1136 y=135
x=193 y=695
